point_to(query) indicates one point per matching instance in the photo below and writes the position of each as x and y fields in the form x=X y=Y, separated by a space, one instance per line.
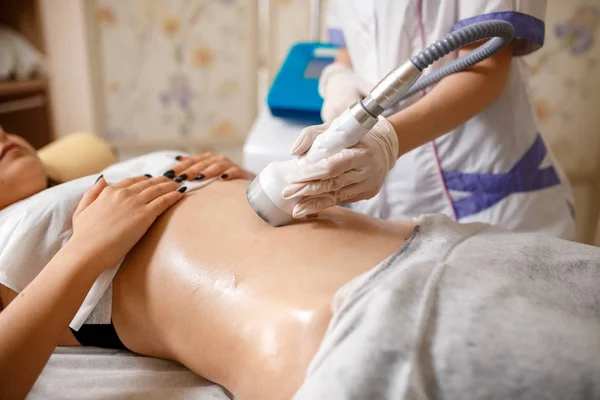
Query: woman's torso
x=237 y=301
x=490 y=147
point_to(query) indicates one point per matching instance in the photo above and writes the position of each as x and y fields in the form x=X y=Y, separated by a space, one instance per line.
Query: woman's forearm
x=453 y=101
x=33 y=322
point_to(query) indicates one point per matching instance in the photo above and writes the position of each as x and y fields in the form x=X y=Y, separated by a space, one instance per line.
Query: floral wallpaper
x=177 y=69
x=565 y=78
x=289 y=23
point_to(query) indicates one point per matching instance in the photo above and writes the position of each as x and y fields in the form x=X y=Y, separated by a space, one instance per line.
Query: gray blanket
x=466 y=312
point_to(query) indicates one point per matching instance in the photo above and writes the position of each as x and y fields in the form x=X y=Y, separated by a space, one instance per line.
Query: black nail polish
x=224 y=176
x=148 y=175
x=178 y=158
x=182 y=189
x=178 y=180
x=183 y=177
x=199 y=177
x=100 y=177
x=170 y=174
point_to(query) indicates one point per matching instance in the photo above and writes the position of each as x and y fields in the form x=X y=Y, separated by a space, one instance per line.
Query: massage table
x=86 y=373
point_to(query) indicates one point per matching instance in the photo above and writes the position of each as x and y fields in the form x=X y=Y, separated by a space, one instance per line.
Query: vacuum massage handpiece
x=265 y=193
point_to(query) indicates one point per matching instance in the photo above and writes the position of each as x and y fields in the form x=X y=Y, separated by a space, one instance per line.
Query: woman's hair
x=52 y=183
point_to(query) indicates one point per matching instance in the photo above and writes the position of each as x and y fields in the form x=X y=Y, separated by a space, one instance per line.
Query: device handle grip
x=344 y=132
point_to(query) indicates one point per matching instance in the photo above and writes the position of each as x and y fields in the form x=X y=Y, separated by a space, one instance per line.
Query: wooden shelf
x=19 y=88
x=25 y=107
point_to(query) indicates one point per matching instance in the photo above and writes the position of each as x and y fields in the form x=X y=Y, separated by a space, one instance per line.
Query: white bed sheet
x=84 y=373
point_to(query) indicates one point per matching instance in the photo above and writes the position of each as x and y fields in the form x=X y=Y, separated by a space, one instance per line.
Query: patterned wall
x=566 y=82
x=289 y=23
x=176 y=71
x=565 y=78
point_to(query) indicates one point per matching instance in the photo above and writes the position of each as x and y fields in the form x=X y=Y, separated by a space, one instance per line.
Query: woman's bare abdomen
x=237 y=301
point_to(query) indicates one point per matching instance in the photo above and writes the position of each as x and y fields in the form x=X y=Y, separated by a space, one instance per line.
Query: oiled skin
x=235 y=300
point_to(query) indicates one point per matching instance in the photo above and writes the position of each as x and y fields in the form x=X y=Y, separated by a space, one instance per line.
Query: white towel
x=89 y=373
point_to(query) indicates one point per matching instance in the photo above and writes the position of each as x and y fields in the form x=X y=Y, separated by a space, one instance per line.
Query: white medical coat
x=495 y=168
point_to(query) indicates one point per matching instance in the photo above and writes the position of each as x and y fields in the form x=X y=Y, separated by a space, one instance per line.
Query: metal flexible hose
x=501 y=32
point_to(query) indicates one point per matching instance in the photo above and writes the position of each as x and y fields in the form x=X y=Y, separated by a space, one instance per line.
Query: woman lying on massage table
x=207 y=283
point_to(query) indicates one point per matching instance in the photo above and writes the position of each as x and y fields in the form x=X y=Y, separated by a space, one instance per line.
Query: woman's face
x=21 y=171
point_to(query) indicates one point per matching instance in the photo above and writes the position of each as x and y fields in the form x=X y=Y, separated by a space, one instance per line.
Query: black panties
x=99 y=335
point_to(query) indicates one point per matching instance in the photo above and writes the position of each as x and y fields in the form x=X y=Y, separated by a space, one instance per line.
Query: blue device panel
x=295 y=90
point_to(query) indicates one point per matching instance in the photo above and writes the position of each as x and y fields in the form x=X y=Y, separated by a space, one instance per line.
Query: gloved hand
x=340 y=87
x=351 y=175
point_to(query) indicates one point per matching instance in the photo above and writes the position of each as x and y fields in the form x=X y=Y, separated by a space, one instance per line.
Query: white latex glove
x=340 y=87
x=351 y=175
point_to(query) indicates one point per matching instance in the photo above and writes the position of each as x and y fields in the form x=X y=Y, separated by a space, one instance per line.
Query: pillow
x=75 y=156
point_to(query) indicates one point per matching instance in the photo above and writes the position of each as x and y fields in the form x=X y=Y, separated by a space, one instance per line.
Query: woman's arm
x=359 y=172
x=106 y=225
x=453 y=101
x=31 y=326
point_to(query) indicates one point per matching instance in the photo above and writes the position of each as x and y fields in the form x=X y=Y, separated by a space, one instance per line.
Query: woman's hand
x=340 y=87
x=205 y=166
x=110 y=220
x=351 y=175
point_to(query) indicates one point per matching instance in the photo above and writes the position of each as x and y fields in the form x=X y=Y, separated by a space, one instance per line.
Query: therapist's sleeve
x=526 y=16
x=334 y=26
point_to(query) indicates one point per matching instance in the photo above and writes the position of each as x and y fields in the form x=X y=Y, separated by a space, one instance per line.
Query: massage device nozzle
x=265 y=193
